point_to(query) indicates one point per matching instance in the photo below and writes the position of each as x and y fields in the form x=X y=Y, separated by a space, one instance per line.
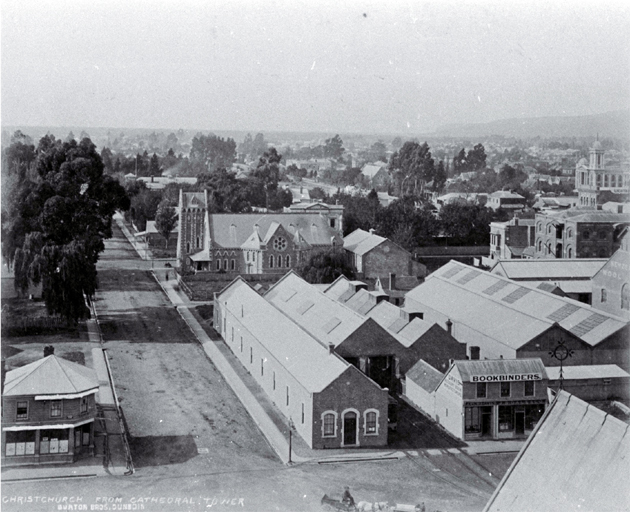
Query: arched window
x=625 y=296
x=218 y=264
x=232 y=264
x=329 y=424
x=569 y=233
x=540 y=228
x=605 y=180
x=287 y=262
x=271 y=261
x=225 y=264
x=539 y=245
x=569 y=252
x=549 y=229
x=370 y=423
x=198 y=243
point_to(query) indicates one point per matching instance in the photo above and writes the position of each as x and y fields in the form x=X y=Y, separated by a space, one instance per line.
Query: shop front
x=500 y=421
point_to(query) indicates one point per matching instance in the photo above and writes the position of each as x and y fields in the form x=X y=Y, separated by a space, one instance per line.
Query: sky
x=319 y=65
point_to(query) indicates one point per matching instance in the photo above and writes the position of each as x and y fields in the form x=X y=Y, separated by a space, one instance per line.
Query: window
x=225 y=264
x=187 y=246
x=83 y=407
x=505 y=389
x=586 y=235
x=198 y=243
x=55 y=409
x=20 y=443
x=529 y=388
x=539 y=245
x=271 y=261
x=475 y=352
x=232 y=264
x=625 y=296
x=371 y=422
x=288 y=262
x=332 y=223
x=603 y=295
x=218 y=264
x=472 y=420
x=329 y=424
x=540 y=227
x=506 y=418
x=280 y=244
x=607 y=382
x=22 y=410
x=569 y=252
x=569 y=233
x=481 y=390
x=287 y=396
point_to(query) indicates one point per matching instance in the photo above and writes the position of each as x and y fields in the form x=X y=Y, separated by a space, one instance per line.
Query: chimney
x=392 y=281
x=371 y=231
x=449 y=326
x=515 y=220
x=49 y=350
x=331 y=348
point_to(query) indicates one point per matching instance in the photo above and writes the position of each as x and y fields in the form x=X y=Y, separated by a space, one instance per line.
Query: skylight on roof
x=516 y=294
x=331 y=324
x=588 y=324
x=305 y=306
x=499 y=285
x=564 y=312
x=452 y=271
x=468 y=277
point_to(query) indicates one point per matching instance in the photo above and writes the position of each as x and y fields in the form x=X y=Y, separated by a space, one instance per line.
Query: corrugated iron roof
x=508 y=311
x=577 y=458
x=361 y=242
x=549 y=269
x=499 y=367
x=51 y=375
x=423 y=374
x=595 y=371
x=293 y=348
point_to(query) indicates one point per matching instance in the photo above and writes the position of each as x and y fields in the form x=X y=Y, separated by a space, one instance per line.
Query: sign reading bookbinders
x=506 y=378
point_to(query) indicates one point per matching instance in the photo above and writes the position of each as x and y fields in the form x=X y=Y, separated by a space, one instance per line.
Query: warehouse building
x=499 y=318
x=592 y=383
x=331 y=403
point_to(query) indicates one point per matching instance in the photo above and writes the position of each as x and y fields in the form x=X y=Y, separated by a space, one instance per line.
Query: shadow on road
x=161 y=450
x=145 y=325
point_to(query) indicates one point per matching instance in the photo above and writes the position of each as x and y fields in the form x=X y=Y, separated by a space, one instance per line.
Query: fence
x=23 y=326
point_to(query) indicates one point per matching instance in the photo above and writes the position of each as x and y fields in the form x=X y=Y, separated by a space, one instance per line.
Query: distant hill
x=610 y=124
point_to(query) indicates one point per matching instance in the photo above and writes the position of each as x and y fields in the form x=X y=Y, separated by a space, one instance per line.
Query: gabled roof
x=194 y=200
x=499 y=367
x=315 y=206
x=505 y=194
x=292 y=347
x=51 y=375
x=361 y=242
x=575 y=459
x=322 y=317
x=549 y=269
x=423 y=374
x=508 y=311
x=232 y=230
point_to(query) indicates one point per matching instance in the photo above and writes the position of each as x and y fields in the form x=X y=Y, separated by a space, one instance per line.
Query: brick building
x=499 y=318
x=509 y=239
x=251 y=243
x=48 y=412
x=579 y=233
x=331 y=403
x=611 y=285
x=373 y=256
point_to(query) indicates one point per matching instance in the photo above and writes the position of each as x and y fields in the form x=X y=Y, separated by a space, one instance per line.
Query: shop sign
x=516 y=377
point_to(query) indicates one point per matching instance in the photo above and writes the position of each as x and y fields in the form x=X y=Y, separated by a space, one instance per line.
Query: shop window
x=22 y=411
x=370 y=422
x=329 y=424
x=603 y=296
x=529 y=388
x=472 y=420
x=506 y=418
x=55 y=409
x=84 y=405
x=481 y=389
x=505 y=389
x=625 y=297
x=532 y=415
x=20 y=443
x=53 y=441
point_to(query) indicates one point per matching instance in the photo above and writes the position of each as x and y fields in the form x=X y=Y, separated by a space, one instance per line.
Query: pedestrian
x=347 y=497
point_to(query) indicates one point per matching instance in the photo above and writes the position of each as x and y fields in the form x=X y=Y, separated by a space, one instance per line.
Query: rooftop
x=361 y=242
x=499 y=367
x=423 y=374
x=595 y=371
x=551 y=268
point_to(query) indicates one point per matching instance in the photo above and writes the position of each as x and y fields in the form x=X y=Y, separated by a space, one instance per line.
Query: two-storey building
x=48 y=412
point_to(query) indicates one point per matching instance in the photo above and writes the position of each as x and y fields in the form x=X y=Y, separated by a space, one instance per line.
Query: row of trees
x=57 y=211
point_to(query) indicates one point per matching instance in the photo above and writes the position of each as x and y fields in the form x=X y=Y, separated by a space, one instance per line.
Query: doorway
x=350 y=429
x=519 y=422
x=486 y=421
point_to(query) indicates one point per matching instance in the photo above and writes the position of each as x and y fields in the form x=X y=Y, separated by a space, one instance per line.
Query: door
x=486 y=421
x=519 y=421
x=350 y=429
